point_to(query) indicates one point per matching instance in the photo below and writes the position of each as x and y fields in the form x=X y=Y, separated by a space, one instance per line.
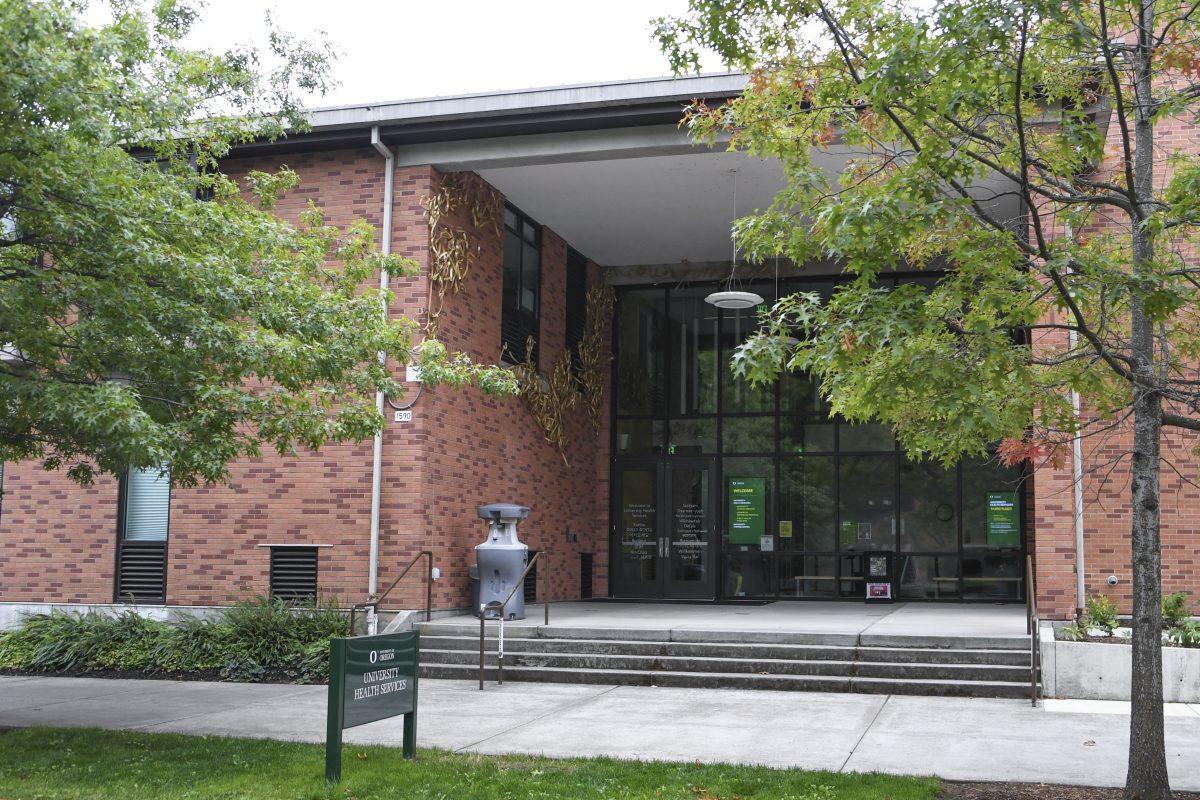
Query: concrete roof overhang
x=606 y=166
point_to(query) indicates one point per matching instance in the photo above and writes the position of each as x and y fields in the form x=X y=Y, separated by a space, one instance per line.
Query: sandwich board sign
x=370 y=678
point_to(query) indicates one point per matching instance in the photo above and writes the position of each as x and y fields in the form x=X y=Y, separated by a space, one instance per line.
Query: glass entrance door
x=665 y=519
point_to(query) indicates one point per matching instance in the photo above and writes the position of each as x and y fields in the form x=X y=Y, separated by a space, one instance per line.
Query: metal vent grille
x=529 y=590
x=142 y=572
x=294 y=573
x=585 y=576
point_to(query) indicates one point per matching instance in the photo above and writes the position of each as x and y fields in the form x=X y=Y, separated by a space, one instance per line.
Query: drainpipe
x=1077 y=484
x=389 y=170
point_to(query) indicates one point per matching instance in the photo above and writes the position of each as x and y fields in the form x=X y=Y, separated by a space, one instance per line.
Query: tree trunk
x=1146 y=778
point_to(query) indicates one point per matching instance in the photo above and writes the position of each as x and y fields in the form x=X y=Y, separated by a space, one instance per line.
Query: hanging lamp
x=730 y=296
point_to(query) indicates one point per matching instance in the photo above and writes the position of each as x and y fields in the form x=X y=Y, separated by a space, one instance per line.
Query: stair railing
x=1033 y=628
x=502 y=608
x=374 y=603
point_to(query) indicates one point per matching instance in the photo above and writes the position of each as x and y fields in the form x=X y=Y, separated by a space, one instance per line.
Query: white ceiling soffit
x=662 y=209
x=648 y=210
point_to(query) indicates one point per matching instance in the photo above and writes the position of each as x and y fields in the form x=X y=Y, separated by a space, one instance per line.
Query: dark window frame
x=848 y=585
x=122 y=544
x=576 y=316
x=516 y=324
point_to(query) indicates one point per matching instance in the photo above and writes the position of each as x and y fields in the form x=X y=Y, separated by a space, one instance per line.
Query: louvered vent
x=142 y=572
x=294 y=573
x=531 y=584
x=585 y=575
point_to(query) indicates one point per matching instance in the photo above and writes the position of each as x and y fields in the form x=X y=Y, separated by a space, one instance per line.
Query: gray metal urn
x=501 y=559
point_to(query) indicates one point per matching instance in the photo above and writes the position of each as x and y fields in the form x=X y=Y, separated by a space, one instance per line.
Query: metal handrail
x=1033 y=628
x=520 y=583
x=375 y=602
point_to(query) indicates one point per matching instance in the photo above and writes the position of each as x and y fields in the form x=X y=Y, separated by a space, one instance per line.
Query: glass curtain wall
x=831 y=491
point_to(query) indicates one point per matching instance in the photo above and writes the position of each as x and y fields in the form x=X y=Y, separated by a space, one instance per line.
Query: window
x=837 y=491
x=576 y=304
x=143 y=519
x=1 y=489
x=293 y=573
x=519 y=320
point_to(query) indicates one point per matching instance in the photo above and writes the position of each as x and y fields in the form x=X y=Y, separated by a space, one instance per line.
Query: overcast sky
x=393 y=49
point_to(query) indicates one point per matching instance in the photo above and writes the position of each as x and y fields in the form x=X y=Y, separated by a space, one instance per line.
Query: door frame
x=662 y=586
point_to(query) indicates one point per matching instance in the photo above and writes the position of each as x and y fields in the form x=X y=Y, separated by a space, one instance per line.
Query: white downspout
x=389 y=170
x=1077 y=482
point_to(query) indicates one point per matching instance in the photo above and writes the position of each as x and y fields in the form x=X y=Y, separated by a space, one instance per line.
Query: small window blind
x=147 y=505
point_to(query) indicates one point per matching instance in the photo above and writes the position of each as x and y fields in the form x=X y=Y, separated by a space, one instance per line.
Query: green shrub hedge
x=255 y=640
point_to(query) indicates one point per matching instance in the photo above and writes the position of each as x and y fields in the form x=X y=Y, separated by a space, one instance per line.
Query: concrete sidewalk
x=960 y=739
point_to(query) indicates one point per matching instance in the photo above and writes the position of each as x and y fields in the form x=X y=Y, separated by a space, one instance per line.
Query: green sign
x=1003 y=520
x=747 y=510
x=370 y=678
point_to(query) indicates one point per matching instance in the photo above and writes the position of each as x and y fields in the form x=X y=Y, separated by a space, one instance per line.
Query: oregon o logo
x=374 y=656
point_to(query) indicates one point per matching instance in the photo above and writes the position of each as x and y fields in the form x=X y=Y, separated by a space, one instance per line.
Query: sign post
x=370 y=678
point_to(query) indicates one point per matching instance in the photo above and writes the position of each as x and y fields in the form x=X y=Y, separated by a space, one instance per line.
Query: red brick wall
x=1106 y=481
x=491 y=450
x=57 y=540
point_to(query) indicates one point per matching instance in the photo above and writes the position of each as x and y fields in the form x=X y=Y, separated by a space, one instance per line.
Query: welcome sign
x=371 y=678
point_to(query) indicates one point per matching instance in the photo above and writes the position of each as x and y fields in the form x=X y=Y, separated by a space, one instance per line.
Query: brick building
x=686 y=483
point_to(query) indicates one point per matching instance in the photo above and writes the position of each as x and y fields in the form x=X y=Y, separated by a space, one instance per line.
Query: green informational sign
x=370 y=678
x=1003 y=520
x=747 y=510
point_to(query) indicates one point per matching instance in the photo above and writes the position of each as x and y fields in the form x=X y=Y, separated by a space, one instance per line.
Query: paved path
x=963 y=739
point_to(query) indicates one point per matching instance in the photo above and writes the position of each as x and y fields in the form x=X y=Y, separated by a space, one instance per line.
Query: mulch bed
x=1034 y=791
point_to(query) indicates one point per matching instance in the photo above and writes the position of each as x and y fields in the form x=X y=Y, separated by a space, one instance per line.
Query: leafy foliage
x=1101 y=614
x=152 y=310
x=1176 y=609
x=259 y=639
x=1186 y=634
x=933 y=116
x=1038 y=151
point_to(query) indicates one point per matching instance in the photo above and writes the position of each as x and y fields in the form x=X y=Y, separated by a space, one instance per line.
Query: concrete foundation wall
x=1097 y=671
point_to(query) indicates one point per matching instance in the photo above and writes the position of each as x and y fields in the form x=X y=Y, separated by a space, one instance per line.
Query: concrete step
x=1014 y=658
x=757 y=666
x=530 y=630
x=735 y=680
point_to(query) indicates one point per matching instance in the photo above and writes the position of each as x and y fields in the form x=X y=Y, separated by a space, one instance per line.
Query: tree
x=152 y=311
x=943 y=113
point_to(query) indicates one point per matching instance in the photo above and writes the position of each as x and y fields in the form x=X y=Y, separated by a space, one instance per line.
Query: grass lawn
x=111 y=765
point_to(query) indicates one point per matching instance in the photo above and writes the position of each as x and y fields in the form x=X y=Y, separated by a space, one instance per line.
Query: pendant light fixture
x=730 y=296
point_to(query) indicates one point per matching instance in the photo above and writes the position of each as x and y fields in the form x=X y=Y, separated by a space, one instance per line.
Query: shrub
x=1073 y=633
x=1186 y=634
x=255 y=640
x=1176 y=610
x=1101 y=613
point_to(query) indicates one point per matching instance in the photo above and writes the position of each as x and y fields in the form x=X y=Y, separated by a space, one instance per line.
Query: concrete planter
x=1101 y=671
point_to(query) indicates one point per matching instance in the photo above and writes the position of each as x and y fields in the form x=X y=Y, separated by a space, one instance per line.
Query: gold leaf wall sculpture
x=452 y=248
x=548 y=398
x=593 y=352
